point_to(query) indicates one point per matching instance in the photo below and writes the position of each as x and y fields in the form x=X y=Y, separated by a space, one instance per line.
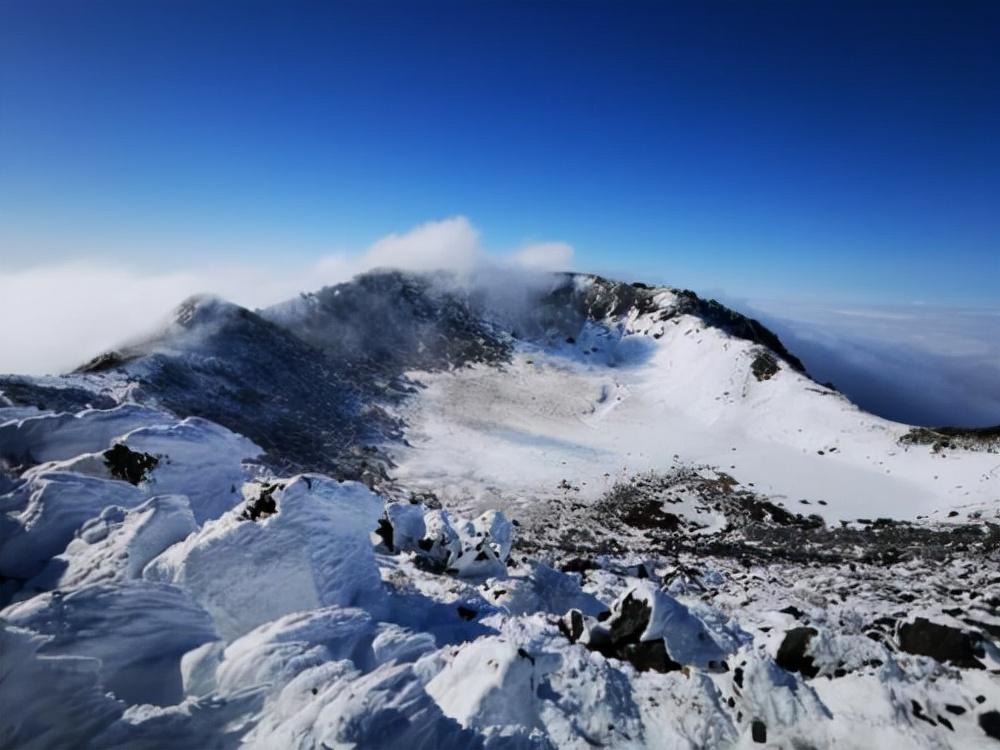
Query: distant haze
x=918 y=364
x=58 y=315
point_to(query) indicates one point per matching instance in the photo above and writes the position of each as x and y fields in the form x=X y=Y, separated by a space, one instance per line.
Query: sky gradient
x=833 y=168
x=840 y=151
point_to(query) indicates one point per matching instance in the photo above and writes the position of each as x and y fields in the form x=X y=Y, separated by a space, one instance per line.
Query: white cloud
x=451 y=243
x=56 y=316
x=918 y=364
x=545 y=256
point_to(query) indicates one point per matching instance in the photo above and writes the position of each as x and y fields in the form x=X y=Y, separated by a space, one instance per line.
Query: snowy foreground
x=625 y=538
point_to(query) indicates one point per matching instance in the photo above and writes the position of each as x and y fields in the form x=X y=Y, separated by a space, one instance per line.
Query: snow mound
x=42 y=515
x=136 y=630
x=526 y=683
x=56 y=437
x=313 y=551
x=49 y=701
x=196 y=458
x=333 y=705
x=474 y=549
x=117 y=544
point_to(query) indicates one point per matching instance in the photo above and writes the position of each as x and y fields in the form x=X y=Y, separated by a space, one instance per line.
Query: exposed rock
x=954 y=438
x=571 y=625
x=989 y=722
x=764 y=366
x=129 y=465
x=941 y=642
x=792 y=654
x=265 y=504
x=466 y=613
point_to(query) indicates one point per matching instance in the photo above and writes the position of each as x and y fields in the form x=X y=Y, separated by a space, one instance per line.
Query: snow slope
x=679 y=391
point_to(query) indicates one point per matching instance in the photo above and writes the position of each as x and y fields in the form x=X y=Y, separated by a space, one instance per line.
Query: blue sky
x=831 y=167
x=843 y=151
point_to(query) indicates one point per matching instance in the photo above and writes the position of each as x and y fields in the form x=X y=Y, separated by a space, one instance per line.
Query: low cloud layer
x=57 y=316
x=916 y=364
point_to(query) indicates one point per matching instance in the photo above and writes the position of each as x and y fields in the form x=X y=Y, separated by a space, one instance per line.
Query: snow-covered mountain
x=533 y=512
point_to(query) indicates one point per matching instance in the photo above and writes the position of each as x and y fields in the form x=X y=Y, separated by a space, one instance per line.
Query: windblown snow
x=645 y=533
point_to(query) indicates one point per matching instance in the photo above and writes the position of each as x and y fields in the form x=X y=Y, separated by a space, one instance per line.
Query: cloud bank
x=916 y=364
x=58 y=316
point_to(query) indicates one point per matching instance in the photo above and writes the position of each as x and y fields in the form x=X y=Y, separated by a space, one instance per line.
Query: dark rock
x=918 y=712
x=578 y=565
x=764 y=366
x=621 y=639
x=953 y=709
x=22 y=391
x=265 y=504
x=793 y=611
x=465 y=613
x=384 y=531
x=758 y=730
x=571 y=625
x=941 y=642
x=989 y=722
x=792 y=652
x=630 y=622
x=649 y=655
x=128 y=465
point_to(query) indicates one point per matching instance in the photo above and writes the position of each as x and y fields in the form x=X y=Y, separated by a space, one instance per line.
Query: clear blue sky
x=846 y=150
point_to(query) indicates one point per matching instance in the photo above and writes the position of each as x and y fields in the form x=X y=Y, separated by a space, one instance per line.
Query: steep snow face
x=117 y=544
x=42 y=515
x=572 y=419
x=314 y=550
x=49 y=700
x=153 y=626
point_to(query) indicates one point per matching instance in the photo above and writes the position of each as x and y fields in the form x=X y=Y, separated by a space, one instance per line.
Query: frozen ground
x=646 y=533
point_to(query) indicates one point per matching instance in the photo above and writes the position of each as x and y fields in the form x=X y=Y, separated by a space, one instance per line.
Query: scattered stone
x=758 y=730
